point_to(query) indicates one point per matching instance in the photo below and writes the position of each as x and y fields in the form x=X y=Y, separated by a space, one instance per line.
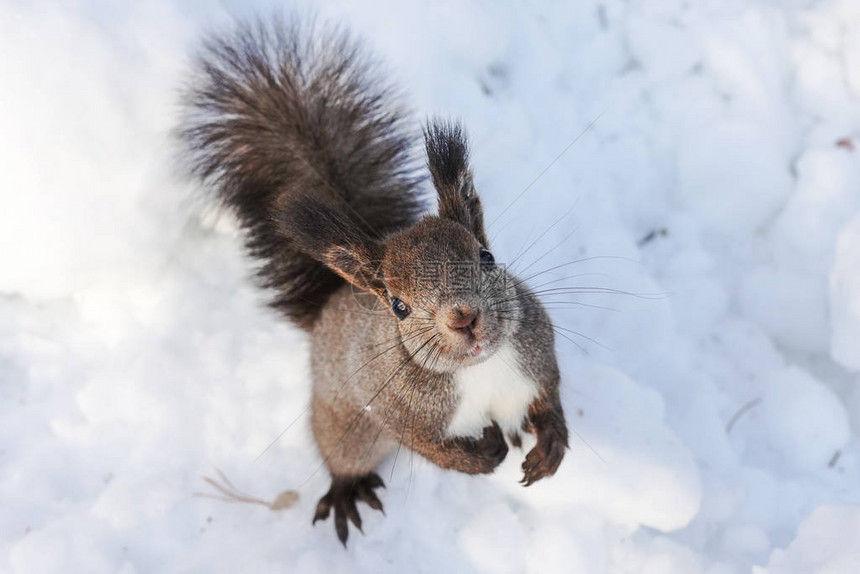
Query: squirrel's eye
x=400 y=308
x=486 y=257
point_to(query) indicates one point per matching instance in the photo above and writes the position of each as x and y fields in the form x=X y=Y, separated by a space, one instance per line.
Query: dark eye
x=486 y=257
x=400 y=308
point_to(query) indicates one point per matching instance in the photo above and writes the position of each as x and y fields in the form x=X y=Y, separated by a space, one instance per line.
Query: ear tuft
x=448 y=160
x=447 y=152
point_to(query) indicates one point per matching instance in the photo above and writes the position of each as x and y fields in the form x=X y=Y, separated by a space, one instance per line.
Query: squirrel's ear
x=335 y=240
x=448 y=160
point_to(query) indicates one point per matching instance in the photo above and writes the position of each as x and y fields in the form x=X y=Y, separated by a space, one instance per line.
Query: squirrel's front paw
x=543 y=460
x=491 y=449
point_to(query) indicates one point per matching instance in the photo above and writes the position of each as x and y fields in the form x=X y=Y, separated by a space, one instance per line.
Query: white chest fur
x=495 y=390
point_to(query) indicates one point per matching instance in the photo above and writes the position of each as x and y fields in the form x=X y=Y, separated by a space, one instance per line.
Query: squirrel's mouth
x=464 y=355
x=479 y=352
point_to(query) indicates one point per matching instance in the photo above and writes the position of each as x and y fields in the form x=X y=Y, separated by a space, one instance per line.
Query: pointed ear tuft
x=448 y=160
x=447 y=152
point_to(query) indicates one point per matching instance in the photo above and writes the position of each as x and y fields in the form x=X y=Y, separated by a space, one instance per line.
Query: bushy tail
x=282 y=109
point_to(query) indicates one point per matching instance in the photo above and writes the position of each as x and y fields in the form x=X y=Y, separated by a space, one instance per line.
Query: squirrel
x=418 y=337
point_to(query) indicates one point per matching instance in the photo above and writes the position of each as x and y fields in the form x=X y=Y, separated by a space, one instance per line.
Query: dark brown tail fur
x=282 y=110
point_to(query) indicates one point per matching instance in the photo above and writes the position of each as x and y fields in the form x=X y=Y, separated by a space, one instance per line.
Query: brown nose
x=463 y=319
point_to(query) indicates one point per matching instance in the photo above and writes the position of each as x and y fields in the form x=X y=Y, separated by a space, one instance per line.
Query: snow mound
x=623 y=463
x=805 y=421
x=827 y=542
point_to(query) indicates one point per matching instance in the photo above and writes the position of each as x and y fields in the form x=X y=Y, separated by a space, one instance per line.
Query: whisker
x=577 y=276
x=400 y=397
x=420 y=372
x=559 y=331
x=556 y=246
x=546 y=169
x=574 y=262
x=412 y=443
x=542 y=235
x=585 y=442
x=337 y=392
x=354 y=423
x=584 y=290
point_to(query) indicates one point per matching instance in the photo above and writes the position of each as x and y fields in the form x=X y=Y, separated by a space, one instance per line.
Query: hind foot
x=342 y=496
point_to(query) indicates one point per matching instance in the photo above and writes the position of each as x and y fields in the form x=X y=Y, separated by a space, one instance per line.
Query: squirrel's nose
x=463 y=319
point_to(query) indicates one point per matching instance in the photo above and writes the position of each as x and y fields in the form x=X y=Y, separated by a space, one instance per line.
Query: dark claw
x=323 y=508
x=372 y=480
x=340 y=525
x=352 y=513
x=367 y=496
x=546 y=456
x=342 y=496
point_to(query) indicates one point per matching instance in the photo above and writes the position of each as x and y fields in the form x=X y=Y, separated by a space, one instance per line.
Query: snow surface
x=716 y=412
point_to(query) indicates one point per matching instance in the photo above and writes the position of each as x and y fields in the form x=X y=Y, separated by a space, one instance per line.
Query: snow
x=715 y=415
x=845 y=297
x=828 y=542
x=804 y=421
